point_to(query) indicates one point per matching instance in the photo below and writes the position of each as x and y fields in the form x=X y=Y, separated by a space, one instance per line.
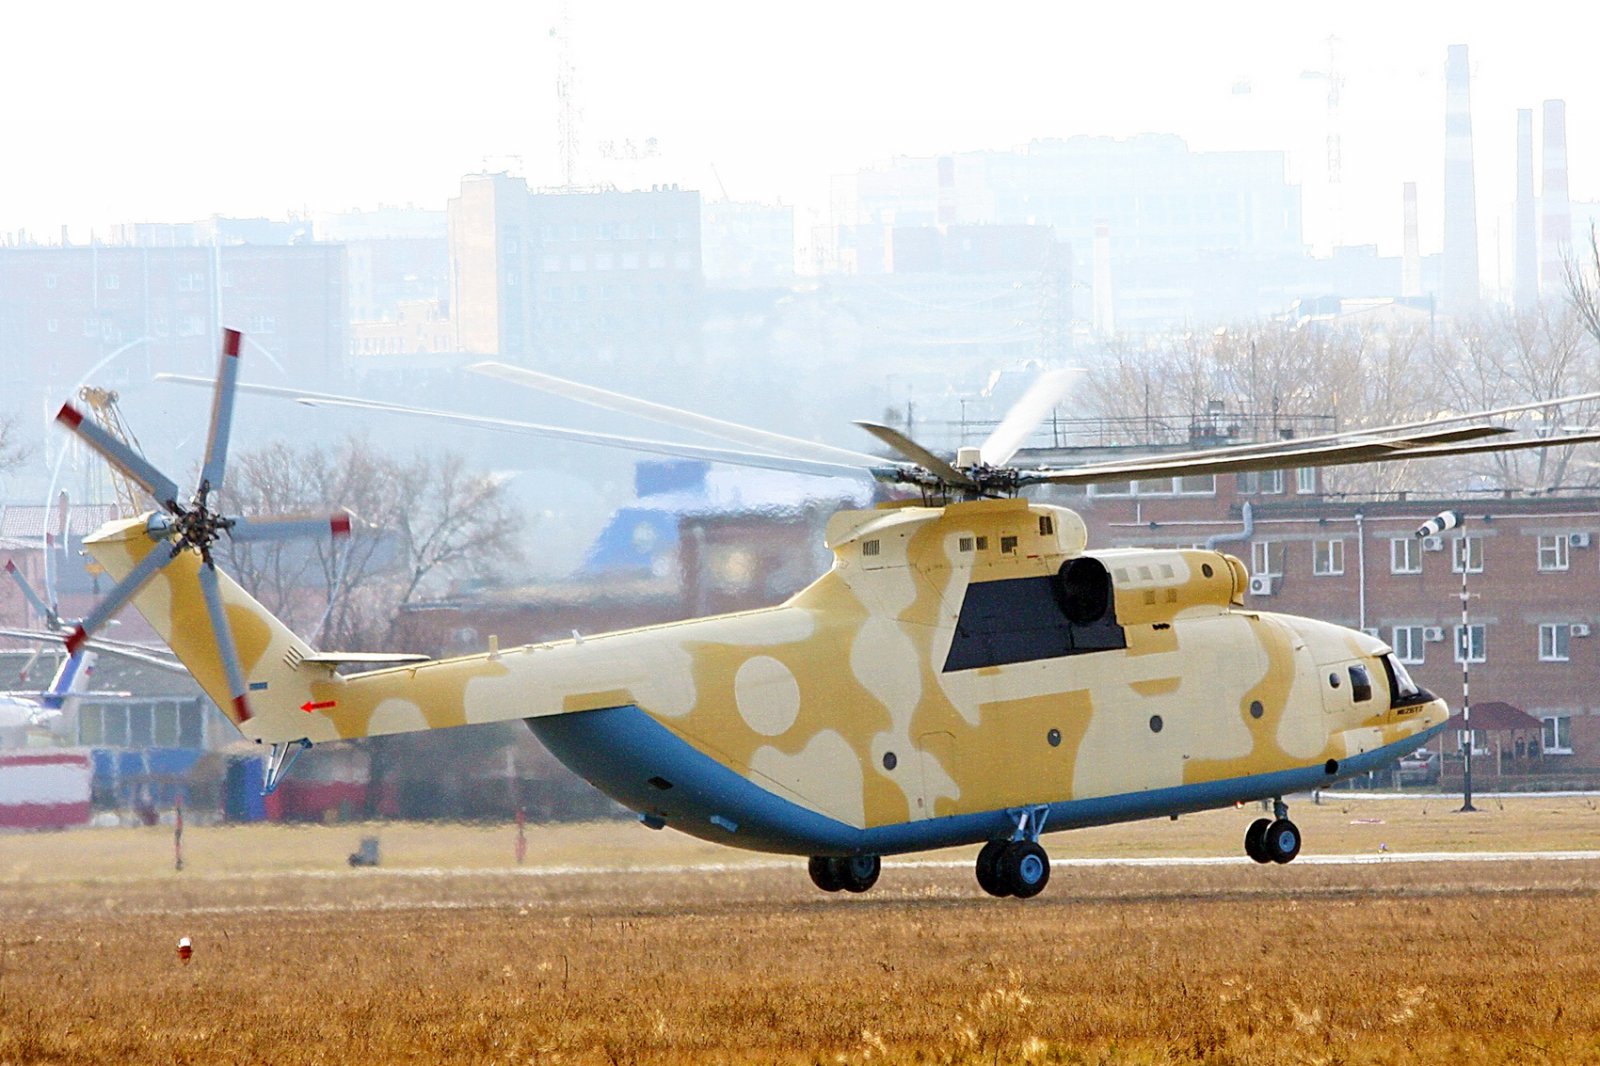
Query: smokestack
x=1105 y=322
x=1411 y=254
x=1555 y=209
x=1525 y=283
x=1458 y=281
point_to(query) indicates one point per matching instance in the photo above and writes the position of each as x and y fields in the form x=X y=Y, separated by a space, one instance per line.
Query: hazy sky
x=119 y=112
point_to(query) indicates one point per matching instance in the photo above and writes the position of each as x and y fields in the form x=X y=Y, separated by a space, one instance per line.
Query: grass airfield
x=612 y=943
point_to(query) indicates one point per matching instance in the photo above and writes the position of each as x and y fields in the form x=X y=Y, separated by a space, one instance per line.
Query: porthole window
x=889 y=760
x=1205 y=568
x=1333 y=680
x=1156 y=723
x=1054 y=737
x=1256 y=710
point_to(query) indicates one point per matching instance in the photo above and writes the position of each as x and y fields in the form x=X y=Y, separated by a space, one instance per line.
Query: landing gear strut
x=1273 y=840
x=852 y=873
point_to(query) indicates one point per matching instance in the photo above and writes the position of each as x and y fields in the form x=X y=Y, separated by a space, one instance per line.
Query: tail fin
x=269 y=652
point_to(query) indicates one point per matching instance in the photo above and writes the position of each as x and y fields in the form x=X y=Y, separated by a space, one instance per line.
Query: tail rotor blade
x=1025 y=416
x=212 y=590
x=28 y=594
x=124 y=591
x=119 y=455
x=289 y=527
x=221 y=412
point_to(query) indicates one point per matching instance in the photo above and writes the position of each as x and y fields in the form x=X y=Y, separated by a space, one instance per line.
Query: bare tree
x=13 y=452
x=417 y=522
x=1583 y=284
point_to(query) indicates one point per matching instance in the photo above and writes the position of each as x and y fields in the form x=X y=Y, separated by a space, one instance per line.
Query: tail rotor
x=193 y=527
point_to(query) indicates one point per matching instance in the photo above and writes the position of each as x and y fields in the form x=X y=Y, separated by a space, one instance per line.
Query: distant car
x=1421 y=767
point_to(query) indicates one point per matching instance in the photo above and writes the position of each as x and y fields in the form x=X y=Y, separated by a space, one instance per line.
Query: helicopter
x=966 y=672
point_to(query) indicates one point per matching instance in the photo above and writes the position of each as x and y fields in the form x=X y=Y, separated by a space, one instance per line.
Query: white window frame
x=1305 y=481
x=1261 y=555
x=1480 y=741
x=1413 y=649
x=1557 y=727
x=1327 y=557
x=1555 y=642
x=1405 y=555
x=1474 y=552
x=1478 y=634
x=1554 y=552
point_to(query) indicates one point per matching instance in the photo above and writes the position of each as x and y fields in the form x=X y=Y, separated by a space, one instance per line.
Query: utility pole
x=1433 y=527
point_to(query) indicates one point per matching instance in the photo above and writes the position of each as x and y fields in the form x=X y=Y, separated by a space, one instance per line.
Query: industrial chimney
x=1411 y=250
x=1458 y=282
x=1525 y=275
x=1555 y=209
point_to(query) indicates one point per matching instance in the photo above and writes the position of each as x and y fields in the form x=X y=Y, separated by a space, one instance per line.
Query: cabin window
x=964 y=544
x=1008 y=545
x=983 y=544
x=1047 y=525
x=870 y=547
x=1360 y=684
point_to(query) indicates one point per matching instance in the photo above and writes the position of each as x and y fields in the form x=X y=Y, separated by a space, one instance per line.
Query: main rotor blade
x=1025 y=416
x=223 y=634
x=160 y=556
x=1346 y=454
x=916 y=453
x=221 y=413
x=653 y=447
x=136 y=652
x=676 y=417
x=119 y=455
x=28 y=594
x=287 y=527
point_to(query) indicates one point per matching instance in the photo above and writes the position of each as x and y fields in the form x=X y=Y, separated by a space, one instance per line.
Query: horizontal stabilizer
x=364 y=658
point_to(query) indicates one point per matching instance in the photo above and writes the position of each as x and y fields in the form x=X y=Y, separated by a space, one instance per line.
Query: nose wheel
x=1273 y=839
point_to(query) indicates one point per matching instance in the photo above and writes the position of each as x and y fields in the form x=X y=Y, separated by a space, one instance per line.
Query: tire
x=988 y=868
x=1283 y=841
x=1255 y=840
x=1024 y=868
x=858 y=872
x=824 y=873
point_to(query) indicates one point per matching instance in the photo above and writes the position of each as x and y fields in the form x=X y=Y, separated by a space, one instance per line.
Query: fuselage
x=956 y=669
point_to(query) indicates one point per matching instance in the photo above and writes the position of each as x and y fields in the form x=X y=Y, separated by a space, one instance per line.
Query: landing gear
x=1013 y=868
x=1273 y=840
x=853 y=873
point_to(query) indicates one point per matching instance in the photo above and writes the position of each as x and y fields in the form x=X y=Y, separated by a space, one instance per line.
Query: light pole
x=1432 y=528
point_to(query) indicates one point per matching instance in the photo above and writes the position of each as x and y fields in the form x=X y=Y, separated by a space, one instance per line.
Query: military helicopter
x=967 y=671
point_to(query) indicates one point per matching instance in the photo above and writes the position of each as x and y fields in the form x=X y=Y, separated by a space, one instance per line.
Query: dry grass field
x=617 y=945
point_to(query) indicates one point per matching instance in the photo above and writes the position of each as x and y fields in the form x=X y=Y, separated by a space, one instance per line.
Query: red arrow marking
x=308 y=706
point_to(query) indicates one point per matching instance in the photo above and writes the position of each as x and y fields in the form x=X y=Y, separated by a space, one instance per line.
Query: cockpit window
x=1360 y=684
x=1404 y=687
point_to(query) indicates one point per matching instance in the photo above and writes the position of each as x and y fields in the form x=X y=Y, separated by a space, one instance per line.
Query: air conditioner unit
x=1433 y=544
x=1578 y=540
x=1433 y=634
x=1261 y=585
x=1580 y=629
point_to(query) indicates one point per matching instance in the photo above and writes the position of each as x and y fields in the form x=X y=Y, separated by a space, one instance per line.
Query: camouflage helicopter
x=967 y=671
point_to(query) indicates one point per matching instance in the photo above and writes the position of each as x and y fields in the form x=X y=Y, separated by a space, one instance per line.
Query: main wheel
x=858 y=872
x=1283 y=841
x=988 y=868
x=1255 y=840
x=825 y=873
x=1024 y=868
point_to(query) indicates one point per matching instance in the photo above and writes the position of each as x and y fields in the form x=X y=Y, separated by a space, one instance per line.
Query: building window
x=53 y=325
x=1267 y=482
x=1197 y=485
x=1327 y=557
x=1557 y=736
x=50 y=280
x=192 y=283
x=113 y=282
x=1305 y=481
x=1261 y=558
x=263 y=324
x=552 y=264
x=1554 y=640
x=1553 y=551
x=1409 y=643
x=1405 y=555
x=1480 y=741
x=1470 y=648
x=1470 y=549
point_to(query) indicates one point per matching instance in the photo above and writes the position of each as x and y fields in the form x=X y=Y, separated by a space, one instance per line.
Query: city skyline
x=330 y=108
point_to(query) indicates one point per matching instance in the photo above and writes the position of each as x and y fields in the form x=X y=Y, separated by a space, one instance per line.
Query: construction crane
x=131 y=499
